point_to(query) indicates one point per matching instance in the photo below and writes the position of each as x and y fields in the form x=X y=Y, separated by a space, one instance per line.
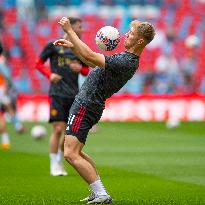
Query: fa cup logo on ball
x=107 y=38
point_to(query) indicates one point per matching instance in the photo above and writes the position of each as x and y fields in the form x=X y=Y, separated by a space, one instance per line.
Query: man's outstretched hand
x=64 y=43
x=65 y=24
x=55 y=78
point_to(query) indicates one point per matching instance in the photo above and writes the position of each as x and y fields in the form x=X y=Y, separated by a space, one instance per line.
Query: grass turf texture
x=139 y=163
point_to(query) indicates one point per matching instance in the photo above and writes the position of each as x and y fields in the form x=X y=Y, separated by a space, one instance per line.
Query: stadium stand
x=24 y=37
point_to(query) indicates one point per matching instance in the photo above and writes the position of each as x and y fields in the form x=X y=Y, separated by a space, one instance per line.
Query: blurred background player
x=63 y=75
x=5 y=141
x=9 y=94
x=6 y=102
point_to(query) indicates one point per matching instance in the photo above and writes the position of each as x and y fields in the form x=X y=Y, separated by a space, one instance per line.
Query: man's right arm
x=81 y=49
x=96 y=59
x=41 y=68
x=45 y=54
x=83 y=59
x=85 y=53
x=52 y=77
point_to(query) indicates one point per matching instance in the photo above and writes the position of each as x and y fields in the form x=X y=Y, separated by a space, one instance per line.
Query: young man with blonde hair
x=109 y=75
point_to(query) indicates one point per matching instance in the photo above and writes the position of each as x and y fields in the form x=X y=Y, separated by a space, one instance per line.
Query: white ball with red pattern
x=38 y=132
x=107 y=38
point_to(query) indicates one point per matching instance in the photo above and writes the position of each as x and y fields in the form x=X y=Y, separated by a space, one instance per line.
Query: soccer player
x=6 y=103
x=5 y=139
x=108 y=76
x=63 y=75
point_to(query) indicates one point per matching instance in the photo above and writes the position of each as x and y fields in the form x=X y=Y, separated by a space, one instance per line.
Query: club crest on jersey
x=61 y=50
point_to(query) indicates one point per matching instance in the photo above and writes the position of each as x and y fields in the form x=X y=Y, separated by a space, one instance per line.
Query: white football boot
x=100 y=199
x=62 y=169
x=88 y=198
x=55 y=170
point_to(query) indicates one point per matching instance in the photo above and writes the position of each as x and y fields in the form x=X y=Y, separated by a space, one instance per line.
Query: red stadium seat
x=31 y=43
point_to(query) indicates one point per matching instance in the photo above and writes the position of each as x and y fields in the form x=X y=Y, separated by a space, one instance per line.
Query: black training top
x=60 y=59
x=103 y=83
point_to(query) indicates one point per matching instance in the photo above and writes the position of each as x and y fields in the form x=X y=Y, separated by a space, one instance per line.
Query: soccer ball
x=107 y=38
x=38 y=132
x=172 y=123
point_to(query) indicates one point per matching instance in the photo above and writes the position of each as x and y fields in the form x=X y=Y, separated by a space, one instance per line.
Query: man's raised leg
x=85 y=166
x=72 y=154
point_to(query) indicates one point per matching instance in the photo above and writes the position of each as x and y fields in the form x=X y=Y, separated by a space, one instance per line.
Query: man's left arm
x=80 y=48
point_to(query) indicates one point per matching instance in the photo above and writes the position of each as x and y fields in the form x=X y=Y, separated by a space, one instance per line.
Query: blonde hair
x=144 y=29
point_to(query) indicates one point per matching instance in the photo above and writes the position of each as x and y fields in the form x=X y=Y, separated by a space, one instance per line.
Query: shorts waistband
x=92 y=107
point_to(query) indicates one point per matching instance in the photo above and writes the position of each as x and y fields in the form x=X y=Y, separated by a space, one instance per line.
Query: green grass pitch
x=139 y=163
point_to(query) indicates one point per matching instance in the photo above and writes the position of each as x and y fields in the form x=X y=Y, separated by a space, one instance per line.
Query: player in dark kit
x=104 y=80
x=7 y=102
x=65 y=68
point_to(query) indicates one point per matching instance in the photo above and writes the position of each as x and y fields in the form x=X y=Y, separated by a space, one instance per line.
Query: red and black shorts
x=59 y=108
x=80 y=121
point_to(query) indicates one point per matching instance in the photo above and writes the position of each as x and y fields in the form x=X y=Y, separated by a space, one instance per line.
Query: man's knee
x=58 y=129
x=72 y=149
x=70 y=155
